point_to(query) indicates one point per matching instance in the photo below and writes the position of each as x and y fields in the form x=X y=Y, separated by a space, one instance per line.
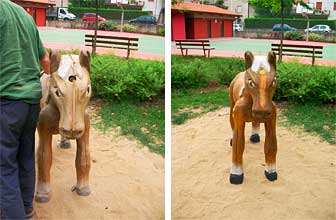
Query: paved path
x=236 y=47
x=150 y=47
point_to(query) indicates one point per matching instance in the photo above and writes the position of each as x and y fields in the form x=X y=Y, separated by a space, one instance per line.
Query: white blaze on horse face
x=236 y=169
x=67 y=67
x=260 y=62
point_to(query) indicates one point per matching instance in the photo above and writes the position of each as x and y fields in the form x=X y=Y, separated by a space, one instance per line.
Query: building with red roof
x=197 y=21
x=36 y=8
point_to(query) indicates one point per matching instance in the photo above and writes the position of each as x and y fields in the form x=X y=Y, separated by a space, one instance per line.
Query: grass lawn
x=144 y=121
x=316 y=119
x=191 y=103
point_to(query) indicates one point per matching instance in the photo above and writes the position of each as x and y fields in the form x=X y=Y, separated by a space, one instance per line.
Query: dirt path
x=127 y=182
x=305 y=188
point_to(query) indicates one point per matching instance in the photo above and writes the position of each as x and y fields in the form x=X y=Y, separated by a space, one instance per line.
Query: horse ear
x=271 y=57
x=248 y=59
x=84 y=59
x=55 y=60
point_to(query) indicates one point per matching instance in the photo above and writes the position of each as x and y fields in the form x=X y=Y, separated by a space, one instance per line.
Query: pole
x=96 y=28
x=282 y=31
x=122 y=18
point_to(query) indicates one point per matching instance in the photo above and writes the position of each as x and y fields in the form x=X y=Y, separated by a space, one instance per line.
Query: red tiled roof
x=195 y=7
x=45 y=2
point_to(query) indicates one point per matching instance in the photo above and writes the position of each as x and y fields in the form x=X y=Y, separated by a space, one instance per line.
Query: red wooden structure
x=196 y=21
x=36 y=8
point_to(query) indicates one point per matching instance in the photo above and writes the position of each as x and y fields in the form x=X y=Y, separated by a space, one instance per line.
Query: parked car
x=277 y=27
x=144 y=19
x=54 y=13
x=92 y=17
x=237 y=27
x=319 y=28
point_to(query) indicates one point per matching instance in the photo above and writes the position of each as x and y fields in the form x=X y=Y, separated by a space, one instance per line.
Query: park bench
x=124 y=43
x=299 y=50
x=194 y=45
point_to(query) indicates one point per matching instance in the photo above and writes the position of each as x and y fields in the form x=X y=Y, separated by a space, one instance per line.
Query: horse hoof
x=42 y=197
x=236 y=179
x=271 y=176
x=84 y=191
x=65 y=144
x=255 y=138
x=231 y=142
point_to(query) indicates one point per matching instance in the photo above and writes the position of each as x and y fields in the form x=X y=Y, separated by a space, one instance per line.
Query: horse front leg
x=238 y=145
x=83 y=163
x=44 y=160
x=270 y=147
x=255 y=138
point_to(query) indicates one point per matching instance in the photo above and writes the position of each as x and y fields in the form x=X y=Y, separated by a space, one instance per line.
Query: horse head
x=70 y=91
x=260 y=82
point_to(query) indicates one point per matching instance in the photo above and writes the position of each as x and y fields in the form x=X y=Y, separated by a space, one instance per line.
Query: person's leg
x=26 y=158
x=13 y=115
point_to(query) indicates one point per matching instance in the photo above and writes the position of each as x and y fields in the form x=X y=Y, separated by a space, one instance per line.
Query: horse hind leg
x=255 y=138
x=65 y=143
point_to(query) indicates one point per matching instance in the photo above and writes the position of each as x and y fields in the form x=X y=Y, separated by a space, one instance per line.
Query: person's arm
x=45 y=63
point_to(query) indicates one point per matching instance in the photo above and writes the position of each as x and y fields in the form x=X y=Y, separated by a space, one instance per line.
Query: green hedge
x=117 y=78
x=108 y=13
x=296 y=82
x=267 y=23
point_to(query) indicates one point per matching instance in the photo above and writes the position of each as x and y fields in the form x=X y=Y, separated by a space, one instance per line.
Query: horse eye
x=251 y=83
x=58 y=92
x=88 y=89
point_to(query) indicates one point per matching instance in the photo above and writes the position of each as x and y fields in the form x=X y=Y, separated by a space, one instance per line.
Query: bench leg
x=204 y=51
x=182 y=52
x=128 y=53
x=313 y=61
x=186 y=52
x=209 y=53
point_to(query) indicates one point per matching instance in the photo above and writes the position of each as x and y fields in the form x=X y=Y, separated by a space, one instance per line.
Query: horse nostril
x=72 y=78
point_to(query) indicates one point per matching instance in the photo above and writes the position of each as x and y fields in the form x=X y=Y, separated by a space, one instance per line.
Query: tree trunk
x=95 y=32
x=282 y=30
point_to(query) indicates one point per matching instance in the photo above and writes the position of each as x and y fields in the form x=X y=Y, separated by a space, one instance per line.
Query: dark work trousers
x=17 y=157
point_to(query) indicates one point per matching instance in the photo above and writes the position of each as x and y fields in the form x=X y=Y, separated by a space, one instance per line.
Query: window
x=334 y=6
x=319 y=5
x=62 y=11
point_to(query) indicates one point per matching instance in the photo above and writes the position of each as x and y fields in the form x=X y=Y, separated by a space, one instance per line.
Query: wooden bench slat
x=112 y=37
x=124 y=43
x=301 y=46
x=205 y=41
x=298 y=55
x=297 y=51
x=116 y=47
x=112 y=42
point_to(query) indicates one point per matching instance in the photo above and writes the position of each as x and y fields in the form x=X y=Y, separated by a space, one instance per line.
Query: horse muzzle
x=71 y=134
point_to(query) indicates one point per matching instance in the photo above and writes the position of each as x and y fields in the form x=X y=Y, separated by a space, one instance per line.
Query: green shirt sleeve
x=41 y=49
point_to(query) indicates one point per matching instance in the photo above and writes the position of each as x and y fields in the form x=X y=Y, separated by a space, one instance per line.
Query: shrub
x=107 y=26
x=293 y=35
x=116 y=78
x=296 y=82
x=315 y=37
x=161 y=32
x=108 y=13
x=268 y=23
x=129 y=28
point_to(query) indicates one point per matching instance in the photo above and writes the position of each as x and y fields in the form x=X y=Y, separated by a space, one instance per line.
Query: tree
x=94 y=43
x=220 y=4
x=278 y=6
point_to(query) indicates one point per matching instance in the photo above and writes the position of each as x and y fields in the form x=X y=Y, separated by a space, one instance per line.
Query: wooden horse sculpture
x=251 y=94
x=65 y=96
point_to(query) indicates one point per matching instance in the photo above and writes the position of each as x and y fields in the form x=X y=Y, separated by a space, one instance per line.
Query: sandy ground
x=126 y=181
x=201 y=157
